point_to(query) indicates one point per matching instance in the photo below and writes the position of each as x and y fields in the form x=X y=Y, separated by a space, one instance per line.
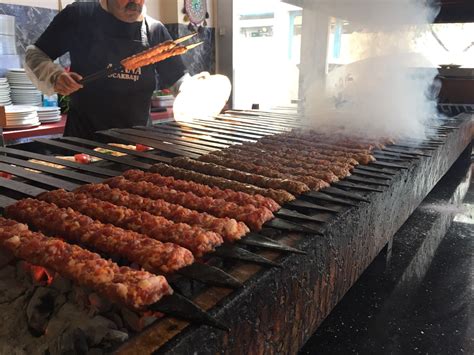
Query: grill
x=269 y=291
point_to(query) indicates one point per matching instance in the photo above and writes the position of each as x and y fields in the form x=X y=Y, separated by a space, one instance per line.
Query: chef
x=98 y=35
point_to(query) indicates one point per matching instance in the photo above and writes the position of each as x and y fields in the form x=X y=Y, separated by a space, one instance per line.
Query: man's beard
x=131 y=6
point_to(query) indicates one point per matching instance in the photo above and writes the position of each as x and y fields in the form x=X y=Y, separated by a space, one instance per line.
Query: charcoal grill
x=286 y=295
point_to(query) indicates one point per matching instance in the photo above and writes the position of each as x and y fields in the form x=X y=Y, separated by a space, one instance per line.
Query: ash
x=57 y=318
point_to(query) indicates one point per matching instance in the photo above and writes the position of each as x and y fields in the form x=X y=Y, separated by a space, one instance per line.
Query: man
x=98 y=35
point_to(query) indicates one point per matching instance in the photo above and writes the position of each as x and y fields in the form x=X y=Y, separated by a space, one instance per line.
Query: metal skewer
x=118 y=67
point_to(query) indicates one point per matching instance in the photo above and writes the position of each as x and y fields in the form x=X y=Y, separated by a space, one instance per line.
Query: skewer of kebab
x=228 y=228
x=78 y=228
x=311 y=151
x=276 y=165
x=291 y=186
x=300 y=155
x=150 y=56
x=197 y=240
x=133 y=288
x=252 y=216
x=315 y=144
x=279 y=196
x=270 y=152
x=306 y=152
x=288 y=161
x=313 y=182
x=342 y=139
x=237 y=197
x=144 y=59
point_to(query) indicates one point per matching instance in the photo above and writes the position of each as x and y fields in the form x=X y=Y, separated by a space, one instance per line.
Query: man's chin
x=131 y=16
x=133 y=12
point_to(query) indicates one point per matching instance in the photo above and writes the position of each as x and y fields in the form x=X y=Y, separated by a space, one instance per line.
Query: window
x=266 y=53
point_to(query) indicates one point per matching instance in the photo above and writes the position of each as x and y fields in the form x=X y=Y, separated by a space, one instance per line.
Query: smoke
x=386 y=90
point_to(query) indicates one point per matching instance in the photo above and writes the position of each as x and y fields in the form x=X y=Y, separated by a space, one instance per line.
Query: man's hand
x=67 y=83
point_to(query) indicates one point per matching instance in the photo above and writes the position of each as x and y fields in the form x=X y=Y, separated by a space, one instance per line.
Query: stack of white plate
x=5 y=98
x=21 y=117
x=49 y=114
x=23 y=92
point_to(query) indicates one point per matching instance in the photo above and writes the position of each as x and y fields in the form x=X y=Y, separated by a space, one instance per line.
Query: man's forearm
x=41 y=70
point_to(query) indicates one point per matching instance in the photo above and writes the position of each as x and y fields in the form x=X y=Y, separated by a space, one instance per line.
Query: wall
x=202 y=58
x=48 y=4
x=30 y=22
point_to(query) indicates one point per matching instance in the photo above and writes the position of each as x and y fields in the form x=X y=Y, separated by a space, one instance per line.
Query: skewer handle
x=100 y=75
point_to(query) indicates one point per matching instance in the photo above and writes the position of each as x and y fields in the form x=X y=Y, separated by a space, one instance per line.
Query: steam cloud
x=387 y=90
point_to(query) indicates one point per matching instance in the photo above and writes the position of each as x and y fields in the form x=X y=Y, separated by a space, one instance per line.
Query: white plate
x=29 y=102
x=50 y=121
x=22 y=97
x=49 y=118
x=47 y=108
x=32 y=114
x=12 y=109
x=17 y=118
x=31 y=120
x=21 y=85
x=48 y=113
x=20 y=117
x=25 y=90
x=22 y=123
x=25 y=93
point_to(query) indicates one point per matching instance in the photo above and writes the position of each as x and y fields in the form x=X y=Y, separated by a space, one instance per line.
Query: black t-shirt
x=73 y=29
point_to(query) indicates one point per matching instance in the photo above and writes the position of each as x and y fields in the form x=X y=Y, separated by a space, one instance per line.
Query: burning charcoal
x=10 y=288
x=60 y=300
x=22 y=272
x=131 y=319
x=7 y=272
x=5 y=258
x=38 y=275
x=80 y=297
x=61 y=284
x=104 y=322
x=116 y=336
x=72 y=316
x=99 y=304
x=40 y=308
x=71 y=341
x=95 y=335
x=114 y=317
